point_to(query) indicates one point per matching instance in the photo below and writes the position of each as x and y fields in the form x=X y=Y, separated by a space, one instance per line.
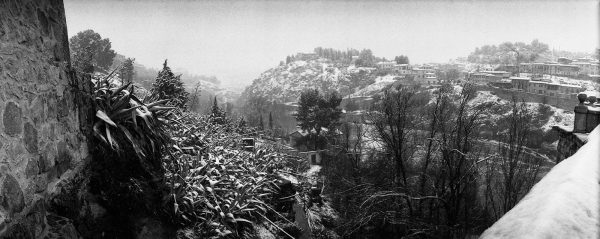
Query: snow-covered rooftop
x=564 y=204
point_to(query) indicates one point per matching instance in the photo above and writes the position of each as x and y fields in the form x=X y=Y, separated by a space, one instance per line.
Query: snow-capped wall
x=564 y=204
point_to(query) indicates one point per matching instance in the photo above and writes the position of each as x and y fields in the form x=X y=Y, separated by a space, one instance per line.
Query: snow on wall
x=564 y=204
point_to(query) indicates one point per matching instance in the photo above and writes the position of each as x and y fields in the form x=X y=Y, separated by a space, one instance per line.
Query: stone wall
x=568 y=142
x=43 y=133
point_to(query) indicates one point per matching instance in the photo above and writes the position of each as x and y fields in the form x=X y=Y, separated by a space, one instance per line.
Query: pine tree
x=242 y=123
x=215 y=108
x=317 y=111
x=270 y=121
x=217 y=115
x=169 y=86
x=126 y=71
x=261 y=125
x=90 y=52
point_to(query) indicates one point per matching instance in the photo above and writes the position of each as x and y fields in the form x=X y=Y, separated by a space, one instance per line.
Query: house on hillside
x=551 y=89
x=385 y=66
x=520 y=83
x=402 y=69
x=425 y=75
x=562 y=68
x=306 y=56
x=295 y=138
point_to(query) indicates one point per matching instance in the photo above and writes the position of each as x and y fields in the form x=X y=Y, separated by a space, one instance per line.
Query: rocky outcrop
x=43 y=131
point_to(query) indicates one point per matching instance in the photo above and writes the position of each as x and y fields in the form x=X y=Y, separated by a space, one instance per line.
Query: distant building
x=425 y=75
x=485 y=77
x=402 y=69
x=520 y=83
x=390 y=67
x=567 y=68
x=386 y=66
x=313 y=157
x=306 y=56
x=564 y=60
x=551 y=89
x=587 y=68
x=296 y=136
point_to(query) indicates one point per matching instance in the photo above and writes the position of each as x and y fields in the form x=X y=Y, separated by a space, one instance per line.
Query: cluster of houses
x=424 y=75
x=578 y=68
x=540 y=78
x=547 y=88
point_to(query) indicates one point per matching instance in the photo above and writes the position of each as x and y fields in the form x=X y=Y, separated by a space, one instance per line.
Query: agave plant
x=124 y=122
x=217 y=188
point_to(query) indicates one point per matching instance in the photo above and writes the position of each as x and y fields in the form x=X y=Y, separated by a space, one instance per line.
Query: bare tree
x=457 y=168
x=394 y=122
x=516 y=169
x=195 y=98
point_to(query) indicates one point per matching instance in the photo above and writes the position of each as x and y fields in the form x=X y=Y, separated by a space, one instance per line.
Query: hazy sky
x=237 y=40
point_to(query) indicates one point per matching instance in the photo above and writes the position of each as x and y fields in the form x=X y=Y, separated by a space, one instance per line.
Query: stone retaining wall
x=43 y=126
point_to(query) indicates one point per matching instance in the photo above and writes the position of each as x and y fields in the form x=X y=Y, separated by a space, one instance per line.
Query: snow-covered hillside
x=211 y=89
x=381 y=83
x=284 y=83
x=558 y=116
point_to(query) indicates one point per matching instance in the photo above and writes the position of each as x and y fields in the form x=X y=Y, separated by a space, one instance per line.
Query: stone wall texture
x=43 y=138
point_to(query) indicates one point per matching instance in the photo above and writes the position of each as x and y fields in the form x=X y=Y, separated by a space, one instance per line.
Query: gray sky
x=237 y=40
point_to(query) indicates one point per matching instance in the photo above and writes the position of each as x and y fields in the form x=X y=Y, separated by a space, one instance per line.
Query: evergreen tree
x=402 y=59
x=241 y=123
x=316 y=112
x=366 y=58
x=216 y=114
x=169 y=86
x=270 y=121
x=89 y=52
x=215 y=108
x=261 y=125
x=127 y=71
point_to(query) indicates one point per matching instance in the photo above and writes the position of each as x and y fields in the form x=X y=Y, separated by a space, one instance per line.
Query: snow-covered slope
x=284 y=83
x=564 y=204
x=381 y=83
x=557 y=116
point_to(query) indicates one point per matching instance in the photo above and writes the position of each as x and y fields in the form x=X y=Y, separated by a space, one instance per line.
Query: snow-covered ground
x=486 y=96
x=558 y=117
x=313 y=171
x=564 y=204
x=284 y=83
x=380 y=83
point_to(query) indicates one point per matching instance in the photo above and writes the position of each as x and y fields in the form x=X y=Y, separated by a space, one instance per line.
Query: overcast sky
x=237 y=40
